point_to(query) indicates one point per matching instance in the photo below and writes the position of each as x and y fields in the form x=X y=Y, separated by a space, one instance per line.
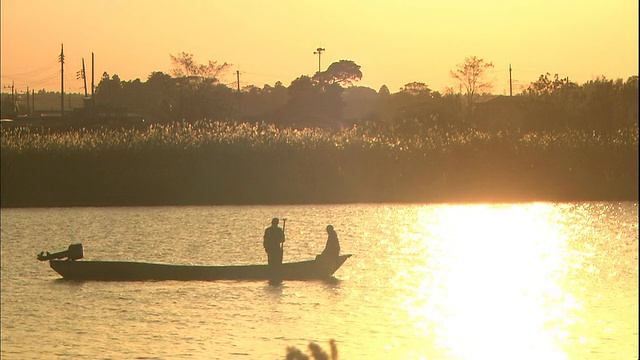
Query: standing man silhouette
x=273 y=238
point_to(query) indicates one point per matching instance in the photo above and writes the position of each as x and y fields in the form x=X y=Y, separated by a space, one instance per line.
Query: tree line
x=329 y=99
x=208 y=143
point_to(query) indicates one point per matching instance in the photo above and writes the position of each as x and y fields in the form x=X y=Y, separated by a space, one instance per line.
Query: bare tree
x=185 y=66
x=199 y=93
x=472 y=77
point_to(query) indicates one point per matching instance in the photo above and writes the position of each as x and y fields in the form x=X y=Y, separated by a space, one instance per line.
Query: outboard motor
x=74 y=252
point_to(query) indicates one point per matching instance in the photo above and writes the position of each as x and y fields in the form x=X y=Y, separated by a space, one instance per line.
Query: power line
x=43 y=68
x=41 y=75
x=265 y=75
x=34 y=81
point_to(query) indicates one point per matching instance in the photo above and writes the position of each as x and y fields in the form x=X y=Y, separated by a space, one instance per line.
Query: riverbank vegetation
x=212 y=162
x=315 y=352
x=322 y=140
x=193 y=92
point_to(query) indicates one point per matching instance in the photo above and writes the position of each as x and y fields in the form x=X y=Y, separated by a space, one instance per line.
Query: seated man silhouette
x=332 y=248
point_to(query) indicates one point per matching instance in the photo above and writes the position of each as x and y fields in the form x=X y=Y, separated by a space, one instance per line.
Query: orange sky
x=395 y=42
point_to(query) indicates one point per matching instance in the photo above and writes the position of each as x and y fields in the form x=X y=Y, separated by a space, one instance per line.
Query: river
x=431 y=281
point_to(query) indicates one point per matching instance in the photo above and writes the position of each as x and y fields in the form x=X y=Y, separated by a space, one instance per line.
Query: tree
x=302 y=88
x=552 y=104
x=185 y=66
x=109 y=91
x=472 y=77
x=196 y=83
x=314 y=103
x=629 y=100
x=416 y=88
x=384 y=91
x=359 y=104
x=261 y=104
x=161 y=97
x=546 y=86
x=343 y=72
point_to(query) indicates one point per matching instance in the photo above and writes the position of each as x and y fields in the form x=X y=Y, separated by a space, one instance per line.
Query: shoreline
x=487 y=199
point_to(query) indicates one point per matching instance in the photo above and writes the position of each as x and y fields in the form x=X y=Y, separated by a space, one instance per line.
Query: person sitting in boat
x=272 y=242
x=332 y=248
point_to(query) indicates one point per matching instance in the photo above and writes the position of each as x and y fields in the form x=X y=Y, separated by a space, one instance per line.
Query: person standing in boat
x=272 y=242
x=332 y=248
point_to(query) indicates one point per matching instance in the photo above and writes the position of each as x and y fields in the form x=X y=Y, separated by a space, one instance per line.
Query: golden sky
x=395 y=41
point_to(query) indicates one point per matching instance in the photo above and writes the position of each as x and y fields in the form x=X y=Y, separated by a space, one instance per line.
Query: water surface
x=502 y=281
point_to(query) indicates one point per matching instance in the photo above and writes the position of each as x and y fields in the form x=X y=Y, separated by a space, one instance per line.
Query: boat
x=68 y=264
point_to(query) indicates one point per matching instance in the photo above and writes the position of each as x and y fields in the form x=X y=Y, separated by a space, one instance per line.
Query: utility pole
x=238 y=93
x=81 y=75
x=238 y=76
x=319 y=53
x=84 y=77
x=13 y=96
x=93 y=65
x=62 y=81
x=510 y=82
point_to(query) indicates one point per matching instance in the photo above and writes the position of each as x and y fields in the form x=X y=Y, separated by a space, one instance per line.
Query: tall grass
x=211 y=162
x=315 y=351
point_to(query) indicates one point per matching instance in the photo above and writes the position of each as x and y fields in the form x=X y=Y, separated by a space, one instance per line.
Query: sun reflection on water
x=490 y=285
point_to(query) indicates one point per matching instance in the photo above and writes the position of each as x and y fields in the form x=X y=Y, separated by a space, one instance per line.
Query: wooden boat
x=74 y=269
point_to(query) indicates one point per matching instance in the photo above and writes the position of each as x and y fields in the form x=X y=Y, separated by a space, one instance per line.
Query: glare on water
x=489 y=284
x=508 y=281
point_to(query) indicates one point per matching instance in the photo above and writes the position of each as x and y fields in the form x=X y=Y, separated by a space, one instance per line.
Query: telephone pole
x=238 y=94
x=510 y=82
x=93 y=65
x=81 y=75
x=238 y=76
x=13 y=96
x=62 y=81
x=319 y=53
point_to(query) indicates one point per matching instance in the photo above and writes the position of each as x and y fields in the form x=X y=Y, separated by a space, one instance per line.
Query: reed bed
x=211 y=162
x=205 y=134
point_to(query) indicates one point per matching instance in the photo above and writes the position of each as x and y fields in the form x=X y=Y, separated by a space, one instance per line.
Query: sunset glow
x=492 y=286
x=394 y=42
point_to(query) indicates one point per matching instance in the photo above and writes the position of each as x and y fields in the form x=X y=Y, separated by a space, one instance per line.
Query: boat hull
x=132 y=271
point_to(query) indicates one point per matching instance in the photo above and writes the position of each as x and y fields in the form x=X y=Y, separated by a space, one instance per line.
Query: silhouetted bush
x=315 y=350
